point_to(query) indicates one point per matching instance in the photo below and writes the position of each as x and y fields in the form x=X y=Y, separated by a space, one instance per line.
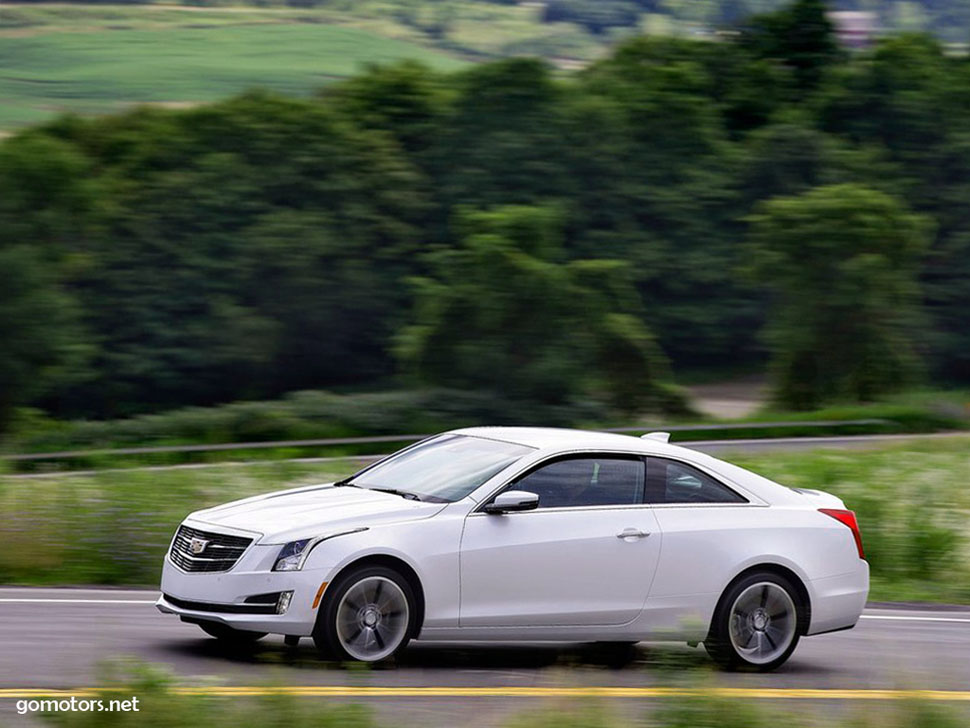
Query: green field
x=101 y=58
x=98 y=59
x=912 y=501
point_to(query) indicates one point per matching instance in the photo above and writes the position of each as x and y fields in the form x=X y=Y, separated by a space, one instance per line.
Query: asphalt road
x=56 y=638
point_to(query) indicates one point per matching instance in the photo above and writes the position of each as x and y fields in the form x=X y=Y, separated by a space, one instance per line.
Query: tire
x=368 y=615
x=757 y=623
x=230 y=636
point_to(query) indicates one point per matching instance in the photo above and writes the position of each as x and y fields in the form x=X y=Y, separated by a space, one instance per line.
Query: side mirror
x=513 y=500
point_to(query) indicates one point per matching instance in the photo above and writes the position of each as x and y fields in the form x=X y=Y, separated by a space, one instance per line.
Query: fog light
x=284 y=602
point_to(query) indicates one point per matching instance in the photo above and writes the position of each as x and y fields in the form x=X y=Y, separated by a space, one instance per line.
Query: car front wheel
x=368 y=616
x=757 y=623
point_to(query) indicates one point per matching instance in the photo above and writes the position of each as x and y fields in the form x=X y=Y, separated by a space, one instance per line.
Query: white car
x=531 y=534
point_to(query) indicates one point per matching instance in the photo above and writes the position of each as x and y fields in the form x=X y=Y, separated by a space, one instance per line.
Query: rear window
x=670 y=481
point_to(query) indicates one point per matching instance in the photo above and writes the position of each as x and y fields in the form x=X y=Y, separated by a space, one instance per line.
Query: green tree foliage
x=263 y=245
x=842 y=261
x=244 y=245
x=908 y=98
x=800 y=36
x=505 y=312
x=41 y=342
x=500 y=140
x=669 y=202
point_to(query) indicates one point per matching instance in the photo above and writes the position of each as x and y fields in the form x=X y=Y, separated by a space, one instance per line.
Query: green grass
x=102 y=59
x=318 y=415
x=297 y=416
x=913 y=506
x=162 y=706
x=907 y=412
x=114 y=527
x=912 y=500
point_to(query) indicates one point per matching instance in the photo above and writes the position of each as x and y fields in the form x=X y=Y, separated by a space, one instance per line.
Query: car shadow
x=452 y=656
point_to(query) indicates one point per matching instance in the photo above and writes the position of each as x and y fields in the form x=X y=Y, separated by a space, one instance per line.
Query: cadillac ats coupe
x=526 y=534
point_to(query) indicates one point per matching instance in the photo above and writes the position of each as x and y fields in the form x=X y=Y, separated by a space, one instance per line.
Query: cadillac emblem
x=197 y=545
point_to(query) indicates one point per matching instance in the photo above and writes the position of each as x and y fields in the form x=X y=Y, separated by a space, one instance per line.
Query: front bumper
x=222 y=596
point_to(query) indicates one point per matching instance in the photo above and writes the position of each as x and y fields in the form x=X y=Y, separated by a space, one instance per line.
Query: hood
x=289 y=515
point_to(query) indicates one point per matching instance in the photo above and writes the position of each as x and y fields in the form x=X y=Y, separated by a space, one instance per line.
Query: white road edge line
x=913 y=619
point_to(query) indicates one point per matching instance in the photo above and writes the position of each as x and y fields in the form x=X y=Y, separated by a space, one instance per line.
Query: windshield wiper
x=345 y=483
x=402 y=493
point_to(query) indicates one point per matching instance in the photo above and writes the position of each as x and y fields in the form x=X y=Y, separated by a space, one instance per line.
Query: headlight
x=293 y=554
x=290 y=557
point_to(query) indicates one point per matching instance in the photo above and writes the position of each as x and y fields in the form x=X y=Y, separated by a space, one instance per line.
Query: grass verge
x=161 y=704
x=318 y=415
x=913 y=506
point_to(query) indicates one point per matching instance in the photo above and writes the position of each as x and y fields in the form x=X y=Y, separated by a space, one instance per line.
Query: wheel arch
x=804 y=597
x=404 y=569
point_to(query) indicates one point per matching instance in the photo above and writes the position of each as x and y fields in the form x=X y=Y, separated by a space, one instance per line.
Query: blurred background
x=562 y=212
x=262 y=224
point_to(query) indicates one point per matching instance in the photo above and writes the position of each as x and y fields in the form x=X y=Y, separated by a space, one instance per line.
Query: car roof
x=554 y=439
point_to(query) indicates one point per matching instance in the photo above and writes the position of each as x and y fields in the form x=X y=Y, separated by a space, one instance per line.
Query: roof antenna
x=658 y=436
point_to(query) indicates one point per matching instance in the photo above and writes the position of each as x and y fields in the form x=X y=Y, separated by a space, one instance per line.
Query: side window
x=669 y=481
x=592 y=481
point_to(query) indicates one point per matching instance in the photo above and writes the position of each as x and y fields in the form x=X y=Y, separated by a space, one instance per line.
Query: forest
x=761 y=201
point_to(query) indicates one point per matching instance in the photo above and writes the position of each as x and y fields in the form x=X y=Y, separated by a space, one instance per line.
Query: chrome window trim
x=751 y=499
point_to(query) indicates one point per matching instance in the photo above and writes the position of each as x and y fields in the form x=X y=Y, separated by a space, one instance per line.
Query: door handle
x=632 y=533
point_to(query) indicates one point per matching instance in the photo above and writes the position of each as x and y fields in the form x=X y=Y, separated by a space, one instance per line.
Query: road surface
x=55 y=638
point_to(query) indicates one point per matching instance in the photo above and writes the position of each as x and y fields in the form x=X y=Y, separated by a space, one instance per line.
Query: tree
x=501 y=142
x=842 y=262
x=39 y=335
x=668 y=203
x=406 y=100
x=505 y=313
x=800 y=36
x=246 y=248
x=907 y=96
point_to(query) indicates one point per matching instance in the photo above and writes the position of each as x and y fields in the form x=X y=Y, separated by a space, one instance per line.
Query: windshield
x=447 y=467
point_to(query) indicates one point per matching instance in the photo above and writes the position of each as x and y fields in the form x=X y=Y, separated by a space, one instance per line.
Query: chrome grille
x=221 y=551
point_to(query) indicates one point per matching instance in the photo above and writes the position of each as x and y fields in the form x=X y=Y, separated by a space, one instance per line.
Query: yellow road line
x=516 y=692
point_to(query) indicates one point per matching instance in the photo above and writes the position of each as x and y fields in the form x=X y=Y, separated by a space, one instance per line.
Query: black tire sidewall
x=718 y=642
x=325 y=630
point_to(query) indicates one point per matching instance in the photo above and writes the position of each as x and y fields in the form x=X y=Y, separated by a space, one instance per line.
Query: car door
x=585 y=556
x=706 y=525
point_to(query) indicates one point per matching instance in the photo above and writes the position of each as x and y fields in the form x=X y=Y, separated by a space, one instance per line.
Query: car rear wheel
x=228 y=635
x=368 y=616
x=757 y=623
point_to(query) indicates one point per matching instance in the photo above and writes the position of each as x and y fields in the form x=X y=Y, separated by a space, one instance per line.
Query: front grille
x=221 y=551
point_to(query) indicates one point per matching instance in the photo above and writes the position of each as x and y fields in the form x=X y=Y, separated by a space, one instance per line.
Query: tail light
x=847 y=518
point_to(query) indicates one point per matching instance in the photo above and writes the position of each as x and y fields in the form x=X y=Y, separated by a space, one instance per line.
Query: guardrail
x=328 y=442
